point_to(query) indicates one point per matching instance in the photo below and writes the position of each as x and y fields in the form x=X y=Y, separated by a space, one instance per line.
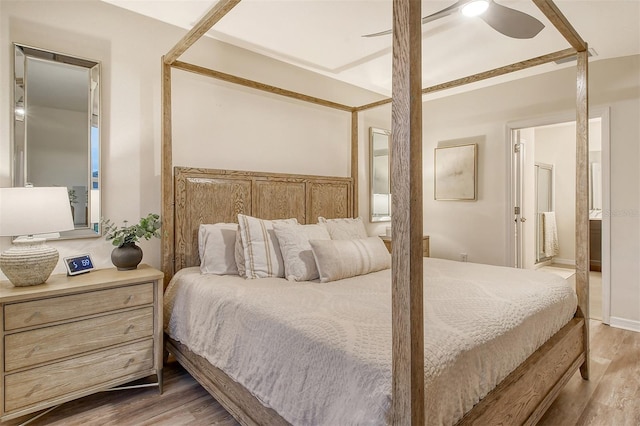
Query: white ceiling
x=325 y=35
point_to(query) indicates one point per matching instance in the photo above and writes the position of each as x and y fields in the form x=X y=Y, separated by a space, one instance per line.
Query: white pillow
x=262 y=256
x=338 y=259
x=216 y=245
x=299 y=263
x=344 y=228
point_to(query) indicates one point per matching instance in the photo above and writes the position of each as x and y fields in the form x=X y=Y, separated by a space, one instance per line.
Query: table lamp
x=25 y=212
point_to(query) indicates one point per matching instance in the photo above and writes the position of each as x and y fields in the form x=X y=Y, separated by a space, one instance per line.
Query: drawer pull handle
x=126 y=302
x=32 y=351
x=129 y=328
x=129 y=362
x=33 y=390
x=32 y=317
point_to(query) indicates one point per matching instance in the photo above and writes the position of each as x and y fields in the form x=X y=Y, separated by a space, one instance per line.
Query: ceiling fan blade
x=444 y=12
x=511 y=22
x=429 y=18
x=378 y=34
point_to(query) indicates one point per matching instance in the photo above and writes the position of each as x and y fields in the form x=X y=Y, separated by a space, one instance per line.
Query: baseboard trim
x=567 y=262
x=624 y=324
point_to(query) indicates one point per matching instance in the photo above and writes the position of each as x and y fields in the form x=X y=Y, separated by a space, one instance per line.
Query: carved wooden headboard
x=212 y=196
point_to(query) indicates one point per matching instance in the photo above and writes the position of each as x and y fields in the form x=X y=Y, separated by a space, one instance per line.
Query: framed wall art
x=456 y=172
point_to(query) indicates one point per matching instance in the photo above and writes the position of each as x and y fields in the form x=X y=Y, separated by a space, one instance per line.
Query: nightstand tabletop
x=62 y=283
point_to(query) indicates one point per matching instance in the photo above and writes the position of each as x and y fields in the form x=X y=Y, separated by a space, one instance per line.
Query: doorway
x=541 y=216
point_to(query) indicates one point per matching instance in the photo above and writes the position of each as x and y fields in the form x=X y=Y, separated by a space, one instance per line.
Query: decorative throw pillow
x=299 y=263
x=262 y=256
x=344 y=228
x=216 y=245
x=338 y=259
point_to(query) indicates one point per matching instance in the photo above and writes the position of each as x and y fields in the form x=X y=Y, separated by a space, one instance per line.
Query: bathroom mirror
x=380 y=167
x=56 y=138
x=544 y=204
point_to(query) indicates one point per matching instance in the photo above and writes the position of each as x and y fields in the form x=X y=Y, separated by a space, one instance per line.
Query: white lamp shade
x=28 y=211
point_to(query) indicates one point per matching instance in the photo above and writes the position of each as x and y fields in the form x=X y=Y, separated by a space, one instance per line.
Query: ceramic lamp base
x=29 y=261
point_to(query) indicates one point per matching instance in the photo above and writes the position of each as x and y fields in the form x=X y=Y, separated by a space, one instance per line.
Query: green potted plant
x=127 y=255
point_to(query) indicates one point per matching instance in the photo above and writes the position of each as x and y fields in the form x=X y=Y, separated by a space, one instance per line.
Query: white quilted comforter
x=320 y=354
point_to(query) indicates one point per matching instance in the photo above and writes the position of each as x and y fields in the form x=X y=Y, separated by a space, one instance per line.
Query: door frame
x=563 y=117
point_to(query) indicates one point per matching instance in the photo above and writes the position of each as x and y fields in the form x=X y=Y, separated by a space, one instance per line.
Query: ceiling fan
x=505 y=20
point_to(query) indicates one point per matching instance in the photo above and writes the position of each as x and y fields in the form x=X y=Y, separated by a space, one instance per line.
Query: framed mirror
x=380 y=168
x=56 y=138
x=544 y=204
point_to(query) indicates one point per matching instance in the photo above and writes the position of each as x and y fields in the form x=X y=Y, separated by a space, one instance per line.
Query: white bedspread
x=320 y=354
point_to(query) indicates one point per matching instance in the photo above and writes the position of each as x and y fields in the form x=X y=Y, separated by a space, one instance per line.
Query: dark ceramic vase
x=126 y=257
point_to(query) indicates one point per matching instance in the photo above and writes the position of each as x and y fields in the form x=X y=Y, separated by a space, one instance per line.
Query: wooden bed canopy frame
x=524 y=396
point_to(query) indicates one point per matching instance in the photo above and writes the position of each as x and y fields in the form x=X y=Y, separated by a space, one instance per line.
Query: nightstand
x=74 y=336
x=425 y=244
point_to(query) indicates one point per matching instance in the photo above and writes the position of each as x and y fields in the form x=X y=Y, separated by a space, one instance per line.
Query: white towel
x=550 y=234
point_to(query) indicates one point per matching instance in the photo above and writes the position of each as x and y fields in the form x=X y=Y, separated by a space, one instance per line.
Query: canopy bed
x=188 y=195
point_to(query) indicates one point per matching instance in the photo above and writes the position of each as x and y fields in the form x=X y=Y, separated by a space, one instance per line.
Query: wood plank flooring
x=610 y=397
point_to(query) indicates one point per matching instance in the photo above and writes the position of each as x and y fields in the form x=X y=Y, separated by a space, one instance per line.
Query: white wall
x=247 y=130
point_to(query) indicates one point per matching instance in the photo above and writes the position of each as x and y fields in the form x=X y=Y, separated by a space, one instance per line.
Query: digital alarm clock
x=78 y=264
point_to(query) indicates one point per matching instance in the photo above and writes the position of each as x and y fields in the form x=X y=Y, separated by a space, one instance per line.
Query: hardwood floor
x=612 y=394
x=610 y=397
x=183 y=402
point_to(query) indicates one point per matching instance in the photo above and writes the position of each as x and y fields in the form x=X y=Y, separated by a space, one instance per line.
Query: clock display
x=78 y=264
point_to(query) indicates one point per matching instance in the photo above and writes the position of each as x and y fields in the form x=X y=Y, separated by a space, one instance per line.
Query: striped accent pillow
x=338 y=259
x=262 y=256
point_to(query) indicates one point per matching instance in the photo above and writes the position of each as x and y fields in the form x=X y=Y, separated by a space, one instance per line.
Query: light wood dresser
x=74 y=336
x=425 y=244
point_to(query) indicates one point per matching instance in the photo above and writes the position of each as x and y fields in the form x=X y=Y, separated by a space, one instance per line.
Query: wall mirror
x=544 y=189
x=380 y=168
x=56 y=138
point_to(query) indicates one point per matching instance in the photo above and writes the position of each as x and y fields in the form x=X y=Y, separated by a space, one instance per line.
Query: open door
x=518 y=156
x=542 y=141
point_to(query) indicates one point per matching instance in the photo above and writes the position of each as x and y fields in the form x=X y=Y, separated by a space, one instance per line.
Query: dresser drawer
x=43 y=311
x=59 y=341
x=62 y=379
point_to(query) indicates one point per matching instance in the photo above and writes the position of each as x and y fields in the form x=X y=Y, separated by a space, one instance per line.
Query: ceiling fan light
x=475 y=8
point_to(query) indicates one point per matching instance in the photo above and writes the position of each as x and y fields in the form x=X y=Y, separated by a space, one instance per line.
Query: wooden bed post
x=582 y=200
x=166 y=247
x=354 y=160
x=406 y=178
x=217 y=12
x=565 y=28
